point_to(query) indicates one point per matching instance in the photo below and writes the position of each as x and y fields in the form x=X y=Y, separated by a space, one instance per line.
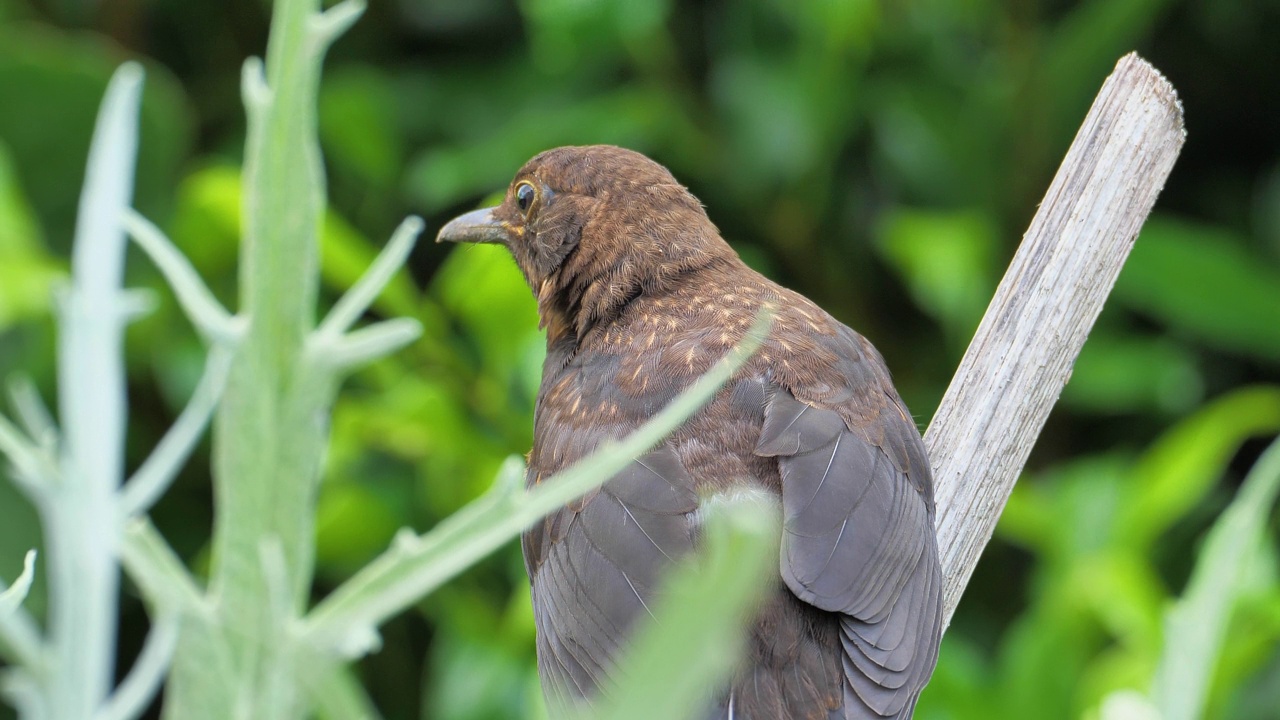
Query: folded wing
x=595 y=565
x=858 y=540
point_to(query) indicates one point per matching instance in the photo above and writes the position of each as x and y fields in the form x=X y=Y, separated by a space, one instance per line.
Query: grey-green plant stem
x=361 y=346
x=133 y=695
x=11 y=596
x=355 y=301
x=32 y=413
x=325 y=27
x=209 y=318
x=335 y=691
x=269 y=429
x=80 y=516
x=34 y=465
x=33 y=469
x=24 y=691
x=157 y=472
x=158 y=572
x=20 y=641
x=347 y=620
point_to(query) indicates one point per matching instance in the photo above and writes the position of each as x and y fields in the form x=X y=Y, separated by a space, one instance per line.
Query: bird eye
x=524 y=196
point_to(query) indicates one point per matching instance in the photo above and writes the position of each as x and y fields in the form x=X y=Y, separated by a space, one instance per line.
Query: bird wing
x=594 y=566
x=858 y=540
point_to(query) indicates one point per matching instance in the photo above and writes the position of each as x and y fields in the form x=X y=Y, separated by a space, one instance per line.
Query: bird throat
x=552 y=315
x=569 y=310
x=570 y=305
x=611 y=266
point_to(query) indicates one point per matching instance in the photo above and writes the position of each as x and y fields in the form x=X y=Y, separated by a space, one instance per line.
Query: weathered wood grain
x=1024 y=349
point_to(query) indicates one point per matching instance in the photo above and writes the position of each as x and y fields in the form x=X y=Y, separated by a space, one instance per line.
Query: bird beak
x=477 y=226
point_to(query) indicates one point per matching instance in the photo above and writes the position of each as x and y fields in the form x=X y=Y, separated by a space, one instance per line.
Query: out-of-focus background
x=881 y=157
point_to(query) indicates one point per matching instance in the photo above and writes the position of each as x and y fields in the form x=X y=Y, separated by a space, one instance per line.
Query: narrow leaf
x=1196 y=626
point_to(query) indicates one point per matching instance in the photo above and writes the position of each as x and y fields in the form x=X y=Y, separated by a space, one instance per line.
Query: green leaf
x=947 y=261
x=207 y=227
x=206 y=223
x=337 y=692
x=1052 y=634
x=19 y=230
x=483 y=289
x=1070 y=510
x=474 y=678
x=635 y=117
x=358 y=125
x=771 y=121
x=352 y=525
x=567 y=34
x=1195 y=627
x=27 y=272
x=344 y=256
x=1203 y=283
x=961 y=683
x=1180 y=468
x=1128 y=374
x=52 y=83
x=1125 y=594
x=1248 y=649
x=1085 y=45
x=936 y=135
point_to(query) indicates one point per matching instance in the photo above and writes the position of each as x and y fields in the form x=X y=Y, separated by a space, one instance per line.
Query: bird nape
x=639 y=296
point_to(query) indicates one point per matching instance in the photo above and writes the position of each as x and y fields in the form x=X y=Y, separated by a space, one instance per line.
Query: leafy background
x=881 y=157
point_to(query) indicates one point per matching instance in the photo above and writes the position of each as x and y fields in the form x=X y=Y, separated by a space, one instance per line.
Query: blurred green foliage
x=881 y=157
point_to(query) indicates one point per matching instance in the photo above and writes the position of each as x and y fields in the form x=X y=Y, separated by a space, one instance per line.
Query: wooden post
x=1028 y=341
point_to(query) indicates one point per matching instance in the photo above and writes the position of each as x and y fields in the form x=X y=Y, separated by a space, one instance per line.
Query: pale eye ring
x=525 y=195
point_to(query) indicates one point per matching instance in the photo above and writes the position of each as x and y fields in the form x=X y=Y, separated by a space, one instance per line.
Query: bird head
x=591 y=229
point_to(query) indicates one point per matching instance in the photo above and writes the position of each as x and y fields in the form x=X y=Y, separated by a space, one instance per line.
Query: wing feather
x=858 y=540
x=596 y=567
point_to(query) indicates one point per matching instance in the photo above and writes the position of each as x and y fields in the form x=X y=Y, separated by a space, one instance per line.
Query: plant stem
x=270 y=430
x=81 y=517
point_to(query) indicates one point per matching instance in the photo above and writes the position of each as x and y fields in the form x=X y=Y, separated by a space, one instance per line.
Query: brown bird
x=639 y=296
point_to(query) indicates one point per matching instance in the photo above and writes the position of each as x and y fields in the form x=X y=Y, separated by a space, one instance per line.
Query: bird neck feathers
x=597 y=281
